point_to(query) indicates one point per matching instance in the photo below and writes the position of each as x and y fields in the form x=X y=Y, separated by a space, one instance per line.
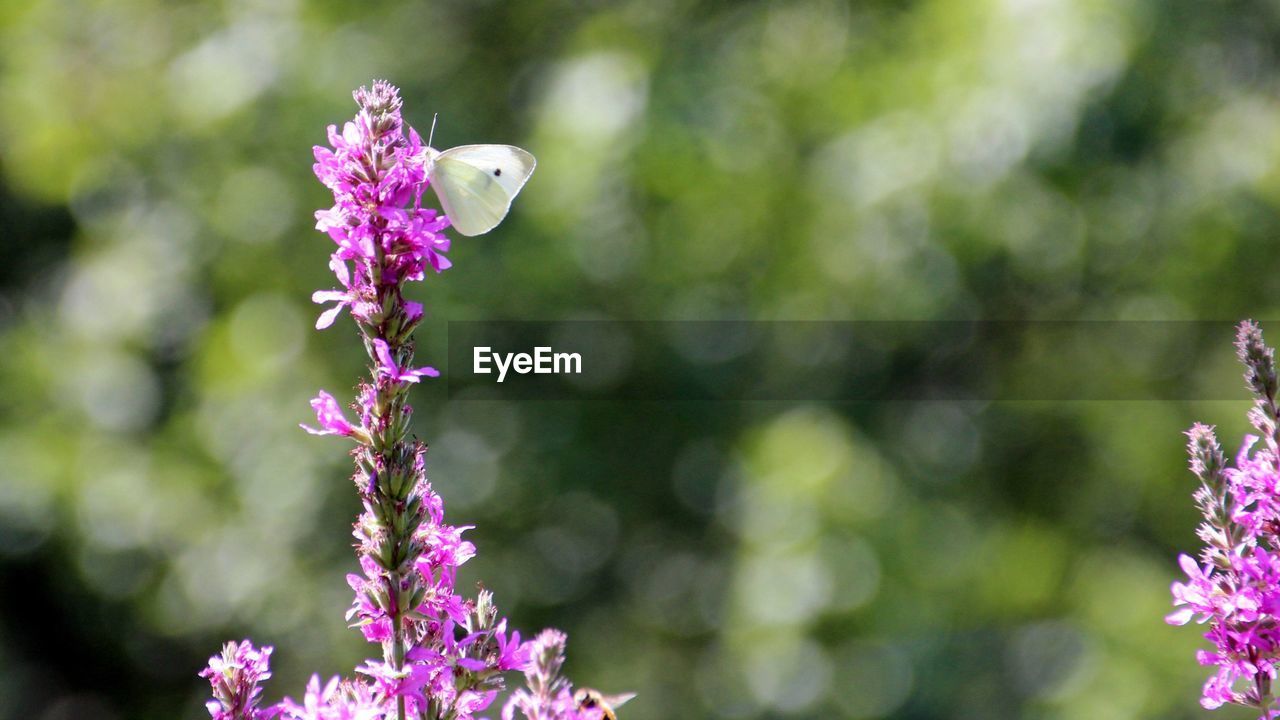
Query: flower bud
x=1259 y=360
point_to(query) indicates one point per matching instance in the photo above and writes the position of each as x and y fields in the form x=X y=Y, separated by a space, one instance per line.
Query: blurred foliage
x=817 y=159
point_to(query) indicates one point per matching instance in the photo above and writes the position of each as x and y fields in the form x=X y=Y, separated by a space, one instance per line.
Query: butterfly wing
x=507 y=164
x=474 y=202
x=618 y=700
x=476 y=184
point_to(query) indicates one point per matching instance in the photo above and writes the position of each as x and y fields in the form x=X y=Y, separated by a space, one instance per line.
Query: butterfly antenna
x=432 y=134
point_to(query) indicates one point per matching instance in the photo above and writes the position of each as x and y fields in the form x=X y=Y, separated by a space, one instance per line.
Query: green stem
x=397 y=641
x=390 y=453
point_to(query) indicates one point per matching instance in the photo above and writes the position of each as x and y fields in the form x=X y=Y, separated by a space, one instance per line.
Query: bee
x=589 y=699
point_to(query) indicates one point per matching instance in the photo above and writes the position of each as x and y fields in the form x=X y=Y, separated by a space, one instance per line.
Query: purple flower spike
x=1234 y=588
x=440 y=655
x=405 y=603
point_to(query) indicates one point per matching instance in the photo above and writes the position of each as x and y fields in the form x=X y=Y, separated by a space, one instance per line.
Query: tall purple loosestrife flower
x=442 y=656
x=1234 y=588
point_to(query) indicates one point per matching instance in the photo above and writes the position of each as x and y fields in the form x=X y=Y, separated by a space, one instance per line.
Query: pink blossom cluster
x=383 y=234
x=337 y=700
x=1234 y=588
x=442 y=655
x=234 y=677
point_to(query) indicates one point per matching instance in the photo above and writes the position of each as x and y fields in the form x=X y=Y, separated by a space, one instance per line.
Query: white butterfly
x=476 y=183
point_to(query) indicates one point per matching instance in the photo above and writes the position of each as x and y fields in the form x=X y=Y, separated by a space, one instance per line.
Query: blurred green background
x=931 y=159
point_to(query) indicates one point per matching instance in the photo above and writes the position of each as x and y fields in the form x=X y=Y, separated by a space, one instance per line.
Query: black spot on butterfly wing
x=497 y=172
